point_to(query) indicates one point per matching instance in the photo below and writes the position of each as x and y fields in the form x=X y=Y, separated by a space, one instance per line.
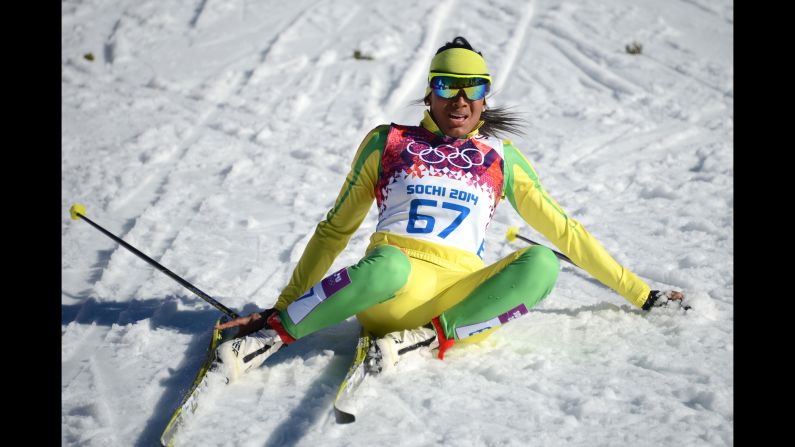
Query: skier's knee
x=544 y=257
x=385 y=266
x=395 y=264
x=539 y=263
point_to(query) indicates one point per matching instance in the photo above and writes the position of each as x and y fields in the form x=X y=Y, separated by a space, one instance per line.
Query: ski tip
x=343 y=417
x=511 y=233
x=75 y=209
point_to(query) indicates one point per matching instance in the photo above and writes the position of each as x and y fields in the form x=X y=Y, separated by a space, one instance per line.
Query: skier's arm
x=537 y=208
x=351 y=207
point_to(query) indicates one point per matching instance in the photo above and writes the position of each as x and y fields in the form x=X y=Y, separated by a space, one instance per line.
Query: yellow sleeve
x=537 y=208
x=332 y=234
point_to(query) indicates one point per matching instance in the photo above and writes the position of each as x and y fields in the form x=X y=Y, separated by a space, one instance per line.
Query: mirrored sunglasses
x=449 y=87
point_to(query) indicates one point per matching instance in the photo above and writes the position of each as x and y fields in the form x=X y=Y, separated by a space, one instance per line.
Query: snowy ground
x=214 y=134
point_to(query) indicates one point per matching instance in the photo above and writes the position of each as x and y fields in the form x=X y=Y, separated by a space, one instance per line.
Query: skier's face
x=457 y=116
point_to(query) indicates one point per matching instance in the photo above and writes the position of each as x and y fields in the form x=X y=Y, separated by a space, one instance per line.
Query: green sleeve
x=333 y=233
x=539 y=210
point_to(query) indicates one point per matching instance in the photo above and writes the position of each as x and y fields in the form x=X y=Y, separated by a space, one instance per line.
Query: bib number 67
x=429 y=222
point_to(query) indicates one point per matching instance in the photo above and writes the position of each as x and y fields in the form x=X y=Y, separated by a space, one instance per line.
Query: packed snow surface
x=213 y=135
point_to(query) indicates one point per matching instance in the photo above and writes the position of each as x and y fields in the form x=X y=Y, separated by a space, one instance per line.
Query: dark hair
x=496 y=119
x=501 y=119
x=458 y=42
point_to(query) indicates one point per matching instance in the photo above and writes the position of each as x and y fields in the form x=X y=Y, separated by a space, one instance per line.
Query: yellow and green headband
x=458 y=63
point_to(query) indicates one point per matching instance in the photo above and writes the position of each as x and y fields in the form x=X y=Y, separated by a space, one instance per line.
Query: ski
x=189 y=401
x=344 y=402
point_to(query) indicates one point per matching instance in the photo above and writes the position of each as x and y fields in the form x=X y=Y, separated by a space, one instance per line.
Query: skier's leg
x=397 y=313
x=497 y=294
x=478 y=302
x=374 y=279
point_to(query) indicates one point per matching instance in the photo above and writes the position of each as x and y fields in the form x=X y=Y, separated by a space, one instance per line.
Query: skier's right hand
x=248 y=324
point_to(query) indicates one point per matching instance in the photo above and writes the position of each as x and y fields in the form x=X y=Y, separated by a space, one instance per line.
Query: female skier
x=422 y=284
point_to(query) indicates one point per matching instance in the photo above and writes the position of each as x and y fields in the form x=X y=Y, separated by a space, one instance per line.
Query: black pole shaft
x=168 y=272
x=558 y=254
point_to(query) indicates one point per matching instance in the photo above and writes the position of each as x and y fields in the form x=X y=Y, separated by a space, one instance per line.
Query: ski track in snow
x=414 y=75
x=517 y=38
x=214 y=135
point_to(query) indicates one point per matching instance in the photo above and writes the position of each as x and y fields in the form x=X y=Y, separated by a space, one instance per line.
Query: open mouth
x=457 y=118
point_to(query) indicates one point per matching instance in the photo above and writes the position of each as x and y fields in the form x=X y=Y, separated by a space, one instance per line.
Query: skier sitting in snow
x=422 y=283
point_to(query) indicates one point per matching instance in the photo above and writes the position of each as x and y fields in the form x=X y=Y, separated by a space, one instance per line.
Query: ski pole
x=78 y=211
x=513 y=233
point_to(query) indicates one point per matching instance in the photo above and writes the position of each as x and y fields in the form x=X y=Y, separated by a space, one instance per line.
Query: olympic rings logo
x=432 y=155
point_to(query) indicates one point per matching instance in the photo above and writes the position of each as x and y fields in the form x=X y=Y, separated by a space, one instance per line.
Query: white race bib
x=441 y=190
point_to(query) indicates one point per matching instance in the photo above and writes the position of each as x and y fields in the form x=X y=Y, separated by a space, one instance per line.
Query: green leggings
x=467 y=303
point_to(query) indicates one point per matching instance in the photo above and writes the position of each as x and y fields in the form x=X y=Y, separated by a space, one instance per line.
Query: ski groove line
x=108 y=44
x=181 y=156
x=200 y=126
x=263 y=65
x=687 y=75
x=664 y=136
x=415 y=74
x=515 y=43
x=197 y=13
x=103 y=395
x=572 y=49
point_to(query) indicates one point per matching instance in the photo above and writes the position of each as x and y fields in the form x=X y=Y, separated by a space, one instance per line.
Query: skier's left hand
x=659 y=298
x=248 y=324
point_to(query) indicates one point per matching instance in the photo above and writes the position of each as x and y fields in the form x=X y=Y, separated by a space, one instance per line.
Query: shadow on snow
x=164 y=313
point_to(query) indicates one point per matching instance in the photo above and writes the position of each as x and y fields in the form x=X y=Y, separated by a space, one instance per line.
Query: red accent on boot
x=444 y=343
x=275 y=322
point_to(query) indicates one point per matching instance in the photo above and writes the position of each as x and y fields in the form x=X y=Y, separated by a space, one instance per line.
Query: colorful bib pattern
x=440 y=189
